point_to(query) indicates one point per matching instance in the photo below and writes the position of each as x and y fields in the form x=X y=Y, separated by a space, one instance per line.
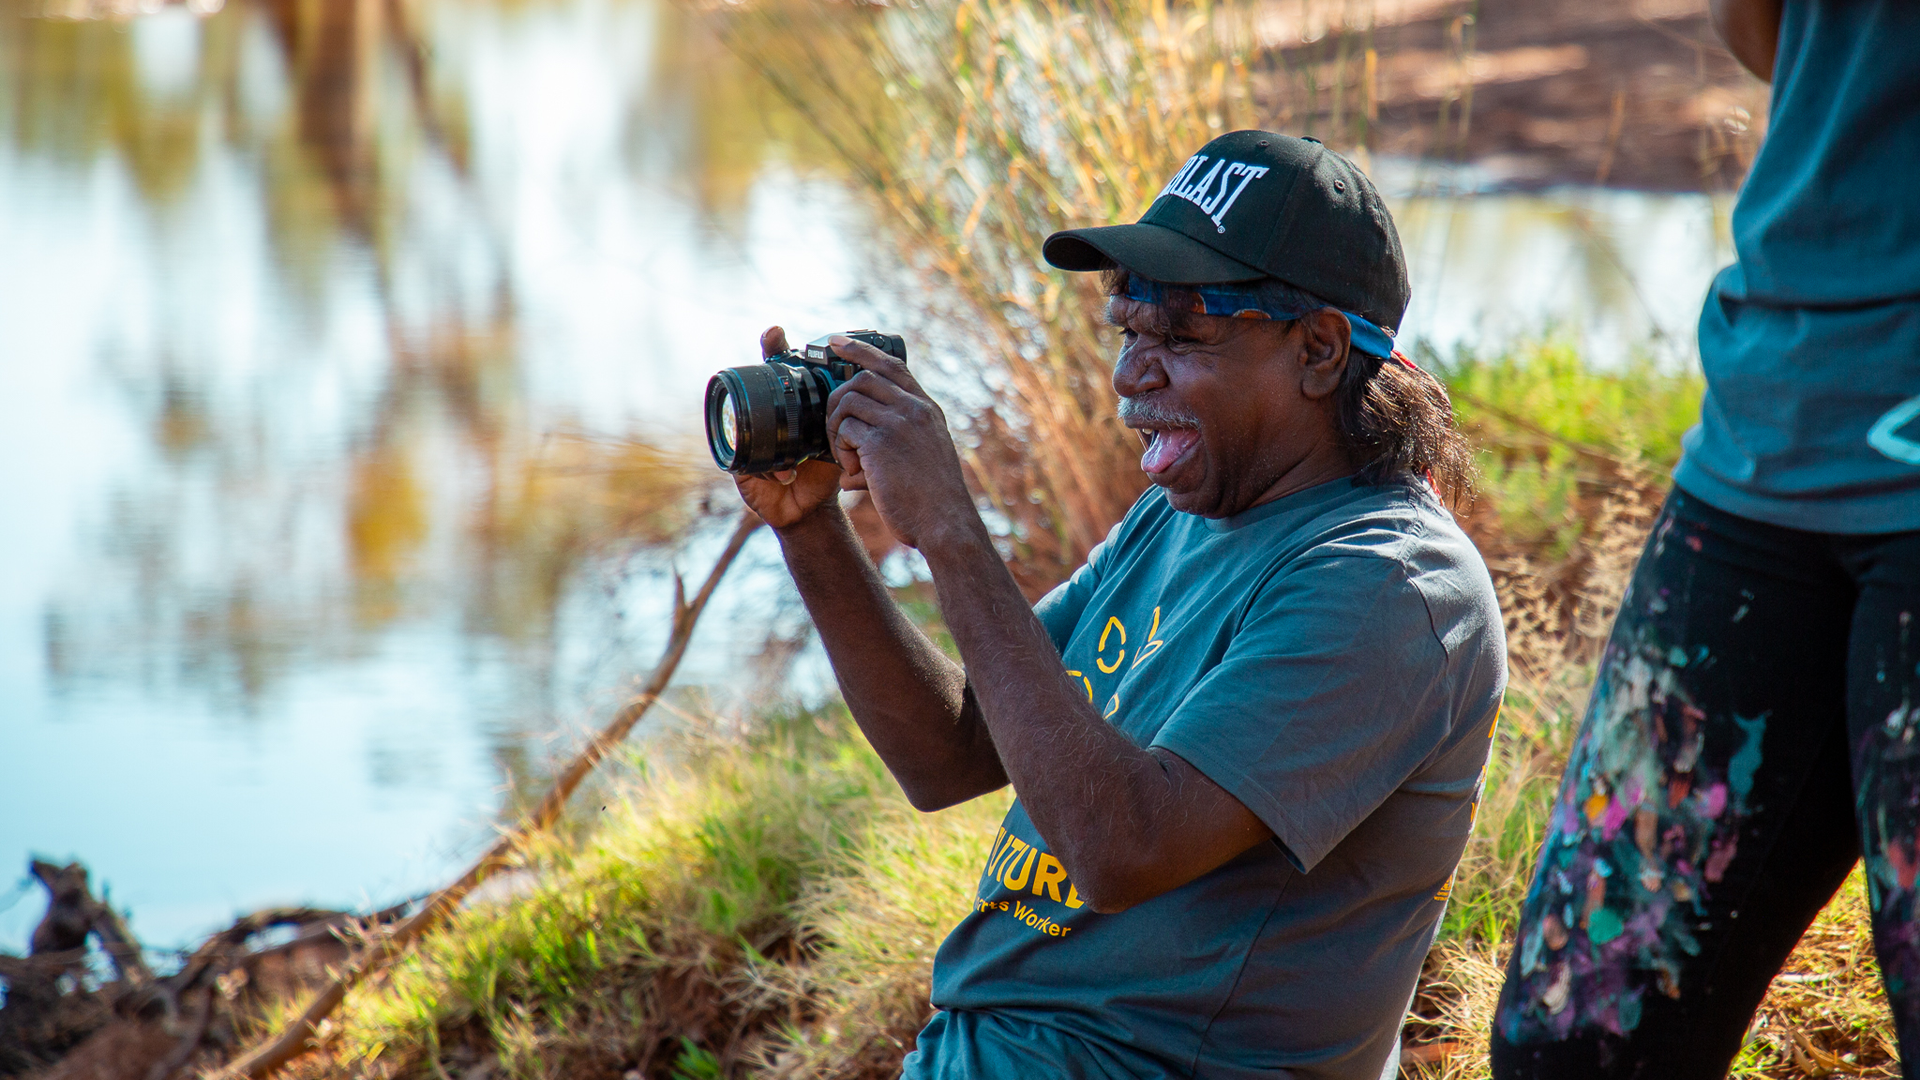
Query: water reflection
x=349 y=354
x=1622 y=272
x=345 y=416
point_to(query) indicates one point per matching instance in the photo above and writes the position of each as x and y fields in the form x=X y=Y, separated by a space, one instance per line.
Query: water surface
x=299 y=572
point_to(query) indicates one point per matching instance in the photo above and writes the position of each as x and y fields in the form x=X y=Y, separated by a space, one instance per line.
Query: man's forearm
x=907 y=697
x=1097 y=799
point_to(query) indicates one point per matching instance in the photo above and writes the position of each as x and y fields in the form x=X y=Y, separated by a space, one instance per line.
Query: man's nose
x=1138 y=371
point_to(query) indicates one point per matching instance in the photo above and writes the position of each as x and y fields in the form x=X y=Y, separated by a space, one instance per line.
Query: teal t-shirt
x=1811 y=341
x=1334 y=659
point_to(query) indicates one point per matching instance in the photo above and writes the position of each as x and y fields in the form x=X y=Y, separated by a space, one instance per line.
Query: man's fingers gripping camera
x=771 y=416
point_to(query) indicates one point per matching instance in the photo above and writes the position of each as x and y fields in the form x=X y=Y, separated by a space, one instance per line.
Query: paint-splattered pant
x=1754 y=728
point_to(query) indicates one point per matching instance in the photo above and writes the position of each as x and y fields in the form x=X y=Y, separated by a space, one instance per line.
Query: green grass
x=691 y=877
x=1508 y=830
x=1636 y=412
x=1556 y=434
x=768 y=898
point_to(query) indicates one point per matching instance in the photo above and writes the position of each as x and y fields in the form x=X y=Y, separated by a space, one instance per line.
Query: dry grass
x=979 y=127
x=1826 y=1014
x=880 y=914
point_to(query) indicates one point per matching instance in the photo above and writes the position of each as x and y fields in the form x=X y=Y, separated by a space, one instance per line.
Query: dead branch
x=50 y=1005
x=227 y=945
x=73 y=913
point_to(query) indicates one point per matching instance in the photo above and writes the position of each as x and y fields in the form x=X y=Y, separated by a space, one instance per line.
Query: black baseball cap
x=1255 y=204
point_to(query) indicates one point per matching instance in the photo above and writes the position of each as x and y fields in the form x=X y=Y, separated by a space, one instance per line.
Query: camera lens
x=730 y=423
x=766 y=417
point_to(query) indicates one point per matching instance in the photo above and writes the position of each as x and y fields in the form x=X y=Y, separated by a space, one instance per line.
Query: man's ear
x=1325 y=339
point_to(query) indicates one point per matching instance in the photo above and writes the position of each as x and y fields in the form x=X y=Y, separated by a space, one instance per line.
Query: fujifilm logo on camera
x=1215 y=192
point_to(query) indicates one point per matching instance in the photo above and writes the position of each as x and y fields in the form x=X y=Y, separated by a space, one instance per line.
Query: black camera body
x=771 y=416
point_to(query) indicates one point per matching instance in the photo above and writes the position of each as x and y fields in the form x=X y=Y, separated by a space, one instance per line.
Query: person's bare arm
x=907 y=697
x=1128 y=823
x=910 y=700
x=1751 y=29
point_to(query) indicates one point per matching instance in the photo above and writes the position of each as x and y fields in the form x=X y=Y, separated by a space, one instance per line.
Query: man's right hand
x=784 y=499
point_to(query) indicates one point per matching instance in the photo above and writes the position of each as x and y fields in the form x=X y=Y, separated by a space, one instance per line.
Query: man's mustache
x=1150 y=412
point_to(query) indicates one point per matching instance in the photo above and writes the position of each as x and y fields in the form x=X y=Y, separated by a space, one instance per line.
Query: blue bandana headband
x=1267 y=298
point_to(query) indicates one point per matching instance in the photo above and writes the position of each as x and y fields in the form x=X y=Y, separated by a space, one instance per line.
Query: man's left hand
x=892 y=441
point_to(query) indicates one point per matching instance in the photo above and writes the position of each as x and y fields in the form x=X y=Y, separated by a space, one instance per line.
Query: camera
x=772 y=416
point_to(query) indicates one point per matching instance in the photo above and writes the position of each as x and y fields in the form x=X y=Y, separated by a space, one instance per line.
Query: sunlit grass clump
x=768 y=905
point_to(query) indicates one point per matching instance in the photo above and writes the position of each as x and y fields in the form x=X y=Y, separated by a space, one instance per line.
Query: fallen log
x=134 y=1026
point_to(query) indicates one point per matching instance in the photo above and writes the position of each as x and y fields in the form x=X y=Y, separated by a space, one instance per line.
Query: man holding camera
x=1246 y=737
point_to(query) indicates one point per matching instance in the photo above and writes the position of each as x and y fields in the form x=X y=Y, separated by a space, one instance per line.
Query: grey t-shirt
x=1811 y=342
x=1334 y=659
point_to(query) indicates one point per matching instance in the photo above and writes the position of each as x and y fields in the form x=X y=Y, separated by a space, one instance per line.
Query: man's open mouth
x=1166 y=446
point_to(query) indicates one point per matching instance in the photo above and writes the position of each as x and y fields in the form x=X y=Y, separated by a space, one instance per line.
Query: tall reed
x=981 y=126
